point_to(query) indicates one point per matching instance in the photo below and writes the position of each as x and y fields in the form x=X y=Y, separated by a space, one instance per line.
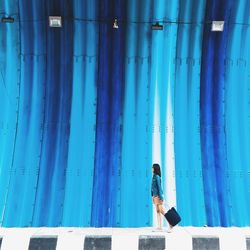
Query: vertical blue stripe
x=50 y=187
x=237 y=114
x=189 y=181
x=142 y=165
x=128 y=157
x=108 y=126
x=9 y=103
x=79 y=173
x=213 y=138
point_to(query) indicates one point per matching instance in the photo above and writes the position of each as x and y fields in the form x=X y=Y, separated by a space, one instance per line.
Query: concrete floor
x=181 y=238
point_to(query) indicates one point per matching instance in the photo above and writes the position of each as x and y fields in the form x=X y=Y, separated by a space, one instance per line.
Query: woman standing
x=157 y=195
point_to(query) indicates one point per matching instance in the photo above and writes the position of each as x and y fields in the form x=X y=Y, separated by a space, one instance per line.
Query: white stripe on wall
x=170 y=184
x=156 y=147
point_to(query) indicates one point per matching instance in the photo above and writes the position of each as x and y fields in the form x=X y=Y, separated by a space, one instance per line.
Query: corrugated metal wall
x=86 y=109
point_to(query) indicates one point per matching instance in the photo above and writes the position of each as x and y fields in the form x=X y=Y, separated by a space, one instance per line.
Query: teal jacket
x=156 y=189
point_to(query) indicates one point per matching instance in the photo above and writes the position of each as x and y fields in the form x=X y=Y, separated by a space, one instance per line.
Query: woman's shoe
x=158 y=229
x=170 y=229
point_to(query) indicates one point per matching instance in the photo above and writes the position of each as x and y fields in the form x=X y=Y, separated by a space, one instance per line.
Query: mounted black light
x=157 y=26
x=8 y=19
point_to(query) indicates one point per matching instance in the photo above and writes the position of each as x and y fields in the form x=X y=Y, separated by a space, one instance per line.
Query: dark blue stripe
x=14 y=201
x=213 y=139
x=50 y=190
x=108 y=122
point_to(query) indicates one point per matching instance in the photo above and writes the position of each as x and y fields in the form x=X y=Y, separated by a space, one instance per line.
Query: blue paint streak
x=50 y=187
x=213 y=138
x=108 y=126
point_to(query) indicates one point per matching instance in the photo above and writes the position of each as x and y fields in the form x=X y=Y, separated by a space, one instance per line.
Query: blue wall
x=77 y=108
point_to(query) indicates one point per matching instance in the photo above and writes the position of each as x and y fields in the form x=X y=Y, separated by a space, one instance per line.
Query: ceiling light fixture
x=115 y=24
x=217 y=26
x=55 y=21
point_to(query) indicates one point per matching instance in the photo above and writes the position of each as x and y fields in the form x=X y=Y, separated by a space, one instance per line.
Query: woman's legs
x=162 y=210
x=158 y=211
x=159 y=221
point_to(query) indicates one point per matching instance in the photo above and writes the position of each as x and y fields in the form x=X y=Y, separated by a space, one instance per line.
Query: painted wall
x=86 y=109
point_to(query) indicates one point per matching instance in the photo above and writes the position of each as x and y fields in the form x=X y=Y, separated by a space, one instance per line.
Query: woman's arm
x=158 y=181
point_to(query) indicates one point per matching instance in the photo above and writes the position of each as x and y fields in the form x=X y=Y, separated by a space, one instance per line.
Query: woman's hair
x=157 y=169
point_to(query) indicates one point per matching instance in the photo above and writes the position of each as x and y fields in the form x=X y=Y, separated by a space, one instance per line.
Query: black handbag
x=172 y=216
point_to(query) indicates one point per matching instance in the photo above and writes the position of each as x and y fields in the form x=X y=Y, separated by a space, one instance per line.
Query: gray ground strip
x=206 y=243
x=151 y=242
x=248 y=243
x=43 y=243
x=93 y=242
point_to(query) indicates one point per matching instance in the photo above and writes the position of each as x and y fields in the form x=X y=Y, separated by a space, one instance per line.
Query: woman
x=157 y=195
